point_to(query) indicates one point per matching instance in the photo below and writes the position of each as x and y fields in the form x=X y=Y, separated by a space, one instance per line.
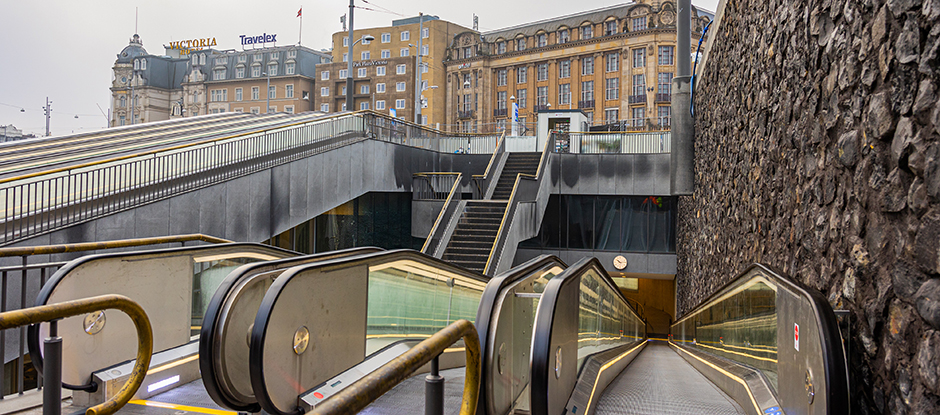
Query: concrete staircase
x=527 y=163
x=474 y=235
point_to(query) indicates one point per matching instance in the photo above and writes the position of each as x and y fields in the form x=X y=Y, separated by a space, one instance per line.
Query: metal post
x=434 y=390
x=684 y=38
x=682 y=156
x=418 y=89
x=268 y=92
x=52 y=371
x=349 y=60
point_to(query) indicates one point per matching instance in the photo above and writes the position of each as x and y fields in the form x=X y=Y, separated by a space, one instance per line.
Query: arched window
x=123 y=102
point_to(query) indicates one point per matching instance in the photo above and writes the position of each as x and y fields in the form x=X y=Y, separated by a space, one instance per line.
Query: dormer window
x=256 y=58
x=542 y=40
x=501 y=47
x=587 y=32
x=143 y=64
x=275 y=56
x=291 y=54
x=564 y=36
x=520 y=43
x=136 y=65
x=639 y=23
x=610 y=27
x=242 y=58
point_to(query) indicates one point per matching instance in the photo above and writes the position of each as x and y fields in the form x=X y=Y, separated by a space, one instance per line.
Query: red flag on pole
x=300 y=11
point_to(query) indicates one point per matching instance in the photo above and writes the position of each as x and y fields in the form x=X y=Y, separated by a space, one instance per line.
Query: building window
x=123 y=102
x=467 y=52
x=380 y=105
x=587 y=91
x=256 y=57
x=272 y=92
x=639 y=84
x=564 y=69
x=325 y=75
x=611 y=115
x=364 y=105
x=379 y=71
x=365 y=55
x=501 y=48
x=664 y=87
x=379 y=88
x=272 y=70
x=275 y=56
x=364 y=89
x=345 y=41
x=291 y=54
x=639 y=58
x=122 y=121
x=256 y=71
x=406 y=35
x=386 y=37
x=325 y=91
x=400 y=104
x=425 y=32
x=612 y=89
x=639 y=115
x=564 y=94
x=587 y=66
x=238 y=94
x=466 y=80
x=218 y=74
x=240 y=72
x=521 y=98
x=404 y=52
x=386 y=54
x=345 y=57
x=362 y=72
x=425 y=49
x=521 y=75
x=587 y=32
x=366 y=41
x=564 y=36
x=343 y=73
x=501 y=100
x=520 y=43
x=242 y=58
x=466 y=102
x=343 y=90
x=400 y=86
x=610 y=28
x=613 y=62
x=343 y=106
x=255 y=93
x=424 y=68
x=400 y=69
x=501 y=77
x=255 y=110
x=290 y=68
x=542 y=39
x=289 y=91
x=289 y=109
x=665 y=115
x=219 y=95
x=639 y=23
x=543 y=72
x=325 y=107
x=666 y=55
x=542 y=96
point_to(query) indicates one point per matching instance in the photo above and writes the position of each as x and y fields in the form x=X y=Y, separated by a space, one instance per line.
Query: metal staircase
x=473 y=237
x=526 y=163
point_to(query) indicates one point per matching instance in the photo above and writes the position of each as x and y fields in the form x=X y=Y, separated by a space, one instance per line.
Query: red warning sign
x=796 y=336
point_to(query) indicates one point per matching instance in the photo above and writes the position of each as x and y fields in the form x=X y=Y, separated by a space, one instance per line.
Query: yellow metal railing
x=121 y=243
x=36 y=315
x=361 y=393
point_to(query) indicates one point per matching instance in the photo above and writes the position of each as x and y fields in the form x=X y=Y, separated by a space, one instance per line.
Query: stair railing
x=484 y=184
x=444 y=223
x=523 y=215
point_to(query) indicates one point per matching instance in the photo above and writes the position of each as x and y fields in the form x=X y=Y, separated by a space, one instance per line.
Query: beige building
x=392 y=47
x=616 y=64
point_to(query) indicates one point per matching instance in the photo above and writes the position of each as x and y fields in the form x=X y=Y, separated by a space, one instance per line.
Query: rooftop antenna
x=476 y=22
x=135 y=20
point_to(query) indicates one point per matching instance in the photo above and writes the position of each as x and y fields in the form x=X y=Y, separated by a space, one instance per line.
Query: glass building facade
x=644 y=224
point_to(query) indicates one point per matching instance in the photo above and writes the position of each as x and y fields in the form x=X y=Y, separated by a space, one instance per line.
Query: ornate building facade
x=616 y=64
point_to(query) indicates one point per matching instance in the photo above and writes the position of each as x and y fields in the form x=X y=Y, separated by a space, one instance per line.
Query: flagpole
x=300 y=33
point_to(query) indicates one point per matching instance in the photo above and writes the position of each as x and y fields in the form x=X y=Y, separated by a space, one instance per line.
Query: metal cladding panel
x=184 y=209
x=644 y=175
x=570 y=173
x=280 y=198
x=162 y=286
x=608 y=171
x=316 y=187
x=626 y=175
x=212 y=210
x=588 y=166
x=662 y=264
x=367 y=162
x=661 y=174
x=260 y=206
x=153 y=219
x=298 y=193
x=237 y=197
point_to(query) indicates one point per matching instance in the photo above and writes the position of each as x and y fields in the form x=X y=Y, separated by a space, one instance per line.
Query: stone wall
x=818 y=153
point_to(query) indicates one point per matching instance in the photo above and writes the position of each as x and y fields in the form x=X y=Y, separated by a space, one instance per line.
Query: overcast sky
x=64 y=49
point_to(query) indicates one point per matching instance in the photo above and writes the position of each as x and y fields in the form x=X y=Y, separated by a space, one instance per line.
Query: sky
x=64 y=49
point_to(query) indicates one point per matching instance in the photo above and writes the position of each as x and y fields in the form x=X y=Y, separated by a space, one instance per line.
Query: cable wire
x=695 y=68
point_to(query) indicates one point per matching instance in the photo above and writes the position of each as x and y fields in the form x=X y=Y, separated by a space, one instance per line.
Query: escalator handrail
x=258 y=332
x=32 y=332
x=837 y=387
x=492 y=292
x=541 y=339
x=210 y=323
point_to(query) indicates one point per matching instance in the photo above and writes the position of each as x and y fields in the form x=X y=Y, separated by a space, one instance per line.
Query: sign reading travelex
x=260 y=39
x=187 y=46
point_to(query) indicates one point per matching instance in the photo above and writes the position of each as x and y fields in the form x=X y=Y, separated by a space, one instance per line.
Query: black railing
x=464 y=114
x=538 y=108
x=638 y=99
x=499 y=112
x=664 y=97
x=433 y=186
x=586 y=104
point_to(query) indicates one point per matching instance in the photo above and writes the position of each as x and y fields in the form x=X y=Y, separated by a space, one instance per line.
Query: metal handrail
x=36 y=315
x=367 y=389
x=120 y=243
x=440 y=216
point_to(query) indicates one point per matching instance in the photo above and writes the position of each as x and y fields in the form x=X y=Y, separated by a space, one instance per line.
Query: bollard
x=52 y=371
x=434 y=390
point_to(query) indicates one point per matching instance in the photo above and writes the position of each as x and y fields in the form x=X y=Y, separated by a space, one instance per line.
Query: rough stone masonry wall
x=818 y=152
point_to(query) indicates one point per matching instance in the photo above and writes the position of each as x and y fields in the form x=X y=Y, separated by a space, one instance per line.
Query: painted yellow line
x=724 y=372
x=587 y=409
x=182 y=407
x=762 y=349
x=766 y=359
x=173 y=364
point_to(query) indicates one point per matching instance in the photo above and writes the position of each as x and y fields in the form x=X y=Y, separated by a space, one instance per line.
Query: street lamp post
x=267 y=92
x=418 y=88
x=349 y=79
